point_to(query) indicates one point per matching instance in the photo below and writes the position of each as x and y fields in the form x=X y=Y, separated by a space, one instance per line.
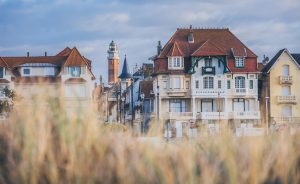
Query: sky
x=36 y=26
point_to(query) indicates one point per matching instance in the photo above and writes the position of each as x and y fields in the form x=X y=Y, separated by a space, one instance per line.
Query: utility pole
x=157 y=87
x=132 y=111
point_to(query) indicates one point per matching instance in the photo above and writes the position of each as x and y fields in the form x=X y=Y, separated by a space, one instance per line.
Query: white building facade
x=205 y=77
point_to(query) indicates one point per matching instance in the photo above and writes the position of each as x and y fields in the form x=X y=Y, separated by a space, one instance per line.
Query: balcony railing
x=208 y=70
x=177 y=115
x=244 y=115
x=178 y=92
x=287 y=99
x=285 y=79
x=212 y=115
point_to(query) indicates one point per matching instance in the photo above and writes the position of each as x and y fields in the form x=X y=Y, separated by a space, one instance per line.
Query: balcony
x=286 y=99
x=208 y=70
x=178 y=92
x=285 y=79
x=244 y=115
x=242 y=92
x=177 y=115
x=211 y=115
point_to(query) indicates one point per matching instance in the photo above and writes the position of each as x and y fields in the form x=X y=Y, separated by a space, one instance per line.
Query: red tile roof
x=221 y=38
x=175 y=50
x=64 y=52
x=207 y=42
x=67 y=57
x=208 y=48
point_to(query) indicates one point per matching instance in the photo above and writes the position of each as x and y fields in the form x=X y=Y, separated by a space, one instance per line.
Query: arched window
x=239 y=82
x=208 y=82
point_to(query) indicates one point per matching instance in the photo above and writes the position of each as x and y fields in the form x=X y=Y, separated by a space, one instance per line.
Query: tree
x=7 y=103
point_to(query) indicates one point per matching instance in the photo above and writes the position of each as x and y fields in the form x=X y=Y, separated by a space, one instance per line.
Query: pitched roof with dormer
x=206 y=42
x=67 y=57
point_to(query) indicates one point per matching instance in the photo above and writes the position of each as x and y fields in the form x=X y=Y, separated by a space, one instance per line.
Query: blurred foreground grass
x=45 y=143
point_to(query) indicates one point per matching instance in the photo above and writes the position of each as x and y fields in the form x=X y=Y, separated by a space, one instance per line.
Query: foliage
x=7 y=103
x=49 y=144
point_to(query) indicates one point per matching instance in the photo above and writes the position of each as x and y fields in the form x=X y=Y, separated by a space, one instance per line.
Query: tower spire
x=125 y=71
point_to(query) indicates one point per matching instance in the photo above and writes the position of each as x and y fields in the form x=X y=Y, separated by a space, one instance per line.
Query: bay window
x=177 y=105
x=175 y=62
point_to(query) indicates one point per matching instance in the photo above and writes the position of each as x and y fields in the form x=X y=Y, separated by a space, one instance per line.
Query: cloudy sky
x=136 y=25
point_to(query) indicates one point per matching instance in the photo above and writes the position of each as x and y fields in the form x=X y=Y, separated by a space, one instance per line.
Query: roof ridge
x=203 y=28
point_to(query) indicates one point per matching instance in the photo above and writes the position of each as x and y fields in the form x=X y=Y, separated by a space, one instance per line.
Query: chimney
x=159 y=48
x=27 y=54
x=45 y=53
x=100 y=80
x=191 y=35
x=265 y=60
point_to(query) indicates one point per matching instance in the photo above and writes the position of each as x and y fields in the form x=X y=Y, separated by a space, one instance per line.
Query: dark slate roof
x=125 y=74
x=266 y=69
x=272 y=62
x=296 y=57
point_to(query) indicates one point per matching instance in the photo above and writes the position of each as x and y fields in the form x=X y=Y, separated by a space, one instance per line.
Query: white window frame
x=240 y=82
x=175 y=62
x=208 y=82
x=239 y=62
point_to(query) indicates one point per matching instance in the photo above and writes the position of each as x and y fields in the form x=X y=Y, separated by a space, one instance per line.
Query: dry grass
x=42 y=144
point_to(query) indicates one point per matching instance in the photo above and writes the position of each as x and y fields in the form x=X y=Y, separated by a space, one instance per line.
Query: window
x=208 y=82
x=75 y=71
x=239 y=82
x=177 y=105
x=238 y=104
x=286 y=90
x=208 y=62
x=1 y=72
x=176 y=83
x=26 y=71
x=285 y=70
x=165 y=84
x=228 y=84
x=197 y=84
x=286 y=111
x=176 y=62
x=219 y=84
x=239 y=62
x=251 y=84
x=187 y=84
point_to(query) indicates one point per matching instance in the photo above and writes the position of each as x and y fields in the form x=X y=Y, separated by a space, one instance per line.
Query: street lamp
x=157 y=87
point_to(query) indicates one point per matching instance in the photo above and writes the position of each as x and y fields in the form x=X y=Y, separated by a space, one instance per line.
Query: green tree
x=7 y=103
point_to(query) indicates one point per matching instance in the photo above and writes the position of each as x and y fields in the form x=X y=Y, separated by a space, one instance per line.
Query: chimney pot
x=45 y=53
x=27 y=54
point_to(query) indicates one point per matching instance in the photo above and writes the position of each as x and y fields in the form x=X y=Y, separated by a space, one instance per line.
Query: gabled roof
x=3 y=63
x=75 y=59
x=64 y=52
x=295 y=58
x=221 y=38
x=208 y=48
x=125 y=72
x=175 y=50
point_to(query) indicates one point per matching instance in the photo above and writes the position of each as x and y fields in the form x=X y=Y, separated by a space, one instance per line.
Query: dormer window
x=175 y=62
x=239 y=62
